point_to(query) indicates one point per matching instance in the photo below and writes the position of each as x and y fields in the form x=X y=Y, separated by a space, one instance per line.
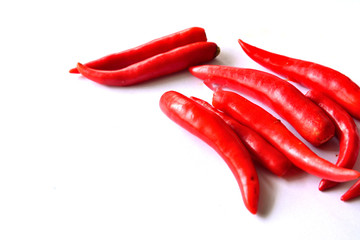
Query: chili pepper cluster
x=239 y=130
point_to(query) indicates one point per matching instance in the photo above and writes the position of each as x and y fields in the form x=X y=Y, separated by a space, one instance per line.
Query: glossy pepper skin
x=260 y=149
x=353 y=192
x=279 y=136
x=312 y=75
x=285 y=99
x=346 y=132
x=216 y=133
x=137 y=54
x=157 y=66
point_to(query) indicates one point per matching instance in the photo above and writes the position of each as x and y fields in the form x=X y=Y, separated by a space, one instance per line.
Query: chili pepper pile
x=239 y=130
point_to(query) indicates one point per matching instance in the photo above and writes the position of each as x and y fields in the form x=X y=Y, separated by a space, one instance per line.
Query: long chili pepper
x=306 y=117
x=216 y=133
x=279 y=136
x=312 y=75
x=160 y=45
x=353 y=192
x=260 y=149
x=346 y=132
x=159 y=65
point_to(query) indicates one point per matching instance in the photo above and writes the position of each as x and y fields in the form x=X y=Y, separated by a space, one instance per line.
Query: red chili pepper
x=279 y=136
x=260 y=149
x=346 y=132
x=312 y=75
x=159 y=65
x=353 y=192
x=216 y=133
x=147 y=50
x=291 y=104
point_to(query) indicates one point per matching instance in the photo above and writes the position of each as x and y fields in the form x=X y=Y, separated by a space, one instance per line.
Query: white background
x=83 y=161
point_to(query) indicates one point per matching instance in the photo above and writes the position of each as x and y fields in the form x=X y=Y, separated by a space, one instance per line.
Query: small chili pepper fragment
x=279 y=136
x=157 y=66
x=260 y=149
x=216 y=133
x=312 y=75
x=346 y=132
x=306 y=117
x=137 y=54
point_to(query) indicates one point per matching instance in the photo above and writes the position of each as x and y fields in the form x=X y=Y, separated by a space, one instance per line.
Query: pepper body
x=285 y=99
x=137 y=54
x=312 y=75
x=216 y=133
x=159 y=65
x=260 y=149
x=346 y=132
x=279 y=136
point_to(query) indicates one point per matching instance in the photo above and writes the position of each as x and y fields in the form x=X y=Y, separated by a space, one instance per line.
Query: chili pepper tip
x=346 y=197
x=79 y=65
x=73 y=70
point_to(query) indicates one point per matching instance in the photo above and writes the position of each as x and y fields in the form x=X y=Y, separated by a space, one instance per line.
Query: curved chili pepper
x=279 y=136
x=353 y=192
x=147 y=50
x=216 y=133
x=346 y=132
x=305 y=116
x=312 y=75
x=159 y=65
x=260 y=149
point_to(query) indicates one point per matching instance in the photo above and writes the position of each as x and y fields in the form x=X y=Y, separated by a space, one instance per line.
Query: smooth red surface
x=261 y=150
x=285 y=99
x=353 y=192
x=137 y=54
x=346 y=132
x=159 y=65
x=216 y=133
x=279 y=136
x=312 y=75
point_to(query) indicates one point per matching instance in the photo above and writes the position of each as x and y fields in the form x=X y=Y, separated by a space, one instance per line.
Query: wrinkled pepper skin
x=346 y=132
x=311 y=75
x=279 y=136
x=260 y=149
x=159 y=65
x=216 y=133
x=137 y=54
x=282 y=97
